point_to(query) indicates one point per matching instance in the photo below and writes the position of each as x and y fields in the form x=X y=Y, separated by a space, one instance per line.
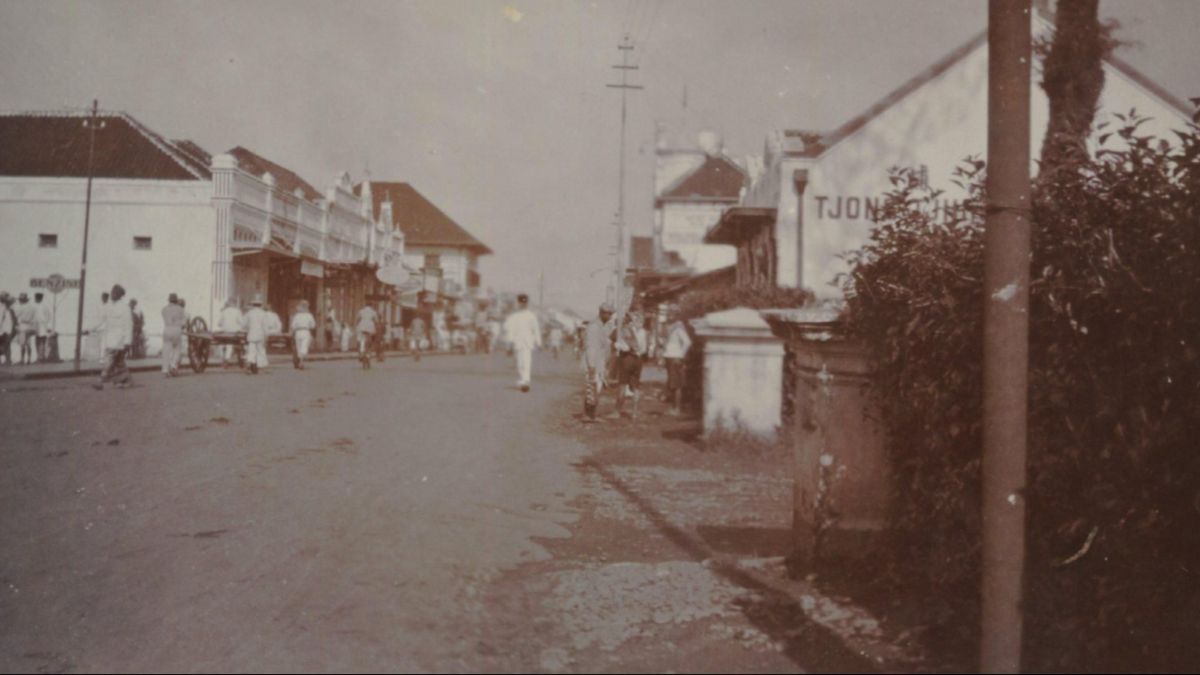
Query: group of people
x=617 y=352
x=25 y=325
x=259 y=323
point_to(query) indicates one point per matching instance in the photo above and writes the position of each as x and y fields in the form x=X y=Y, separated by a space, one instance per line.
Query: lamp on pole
x=92 y=123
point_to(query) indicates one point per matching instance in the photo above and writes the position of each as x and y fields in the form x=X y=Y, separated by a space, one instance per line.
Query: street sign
x=394 y=275
x=55 y=283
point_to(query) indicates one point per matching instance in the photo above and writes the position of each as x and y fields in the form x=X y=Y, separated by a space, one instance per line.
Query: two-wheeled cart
x=200 y=342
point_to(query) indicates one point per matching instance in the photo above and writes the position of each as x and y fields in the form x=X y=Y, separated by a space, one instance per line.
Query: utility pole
x=92 y=123
x=626 y=47
x=1005 y=335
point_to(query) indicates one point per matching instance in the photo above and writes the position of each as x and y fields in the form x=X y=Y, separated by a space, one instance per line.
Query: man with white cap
x=597 y=348
x=172 y=340
x=303 y=325
x=116 y=323
x=230 y=321
x=523 y=333
x=255 y=324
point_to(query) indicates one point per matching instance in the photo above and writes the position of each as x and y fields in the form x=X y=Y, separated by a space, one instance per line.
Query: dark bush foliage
x=1114 y=472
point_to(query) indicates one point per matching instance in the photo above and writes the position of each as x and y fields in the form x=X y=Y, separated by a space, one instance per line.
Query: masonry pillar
x=743 y=372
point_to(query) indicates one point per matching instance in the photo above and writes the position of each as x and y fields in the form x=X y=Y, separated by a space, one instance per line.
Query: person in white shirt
x=117 y=328
x=523 y=334
x=44 y=324
x=230 y=321
x=255 y=325
x=26 y=327
x=8 y=328
x=303 y=325
x=367 y=327
x=674 y=353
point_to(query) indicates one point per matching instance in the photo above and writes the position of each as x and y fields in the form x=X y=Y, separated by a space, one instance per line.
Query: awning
x=246 y=248
x=738 y=224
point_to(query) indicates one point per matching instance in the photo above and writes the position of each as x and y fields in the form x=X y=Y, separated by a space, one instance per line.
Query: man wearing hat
x=116 y=326
x=523 y=333
x=255 y=324
x=26 y=327
x=230 y=321
x=45 y=325
x=597 y=347
x=303 y=325
x=173 y=318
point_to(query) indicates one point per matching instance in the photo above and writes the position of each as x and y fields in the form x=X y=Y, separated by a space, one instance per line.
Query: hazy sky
x=497 y=111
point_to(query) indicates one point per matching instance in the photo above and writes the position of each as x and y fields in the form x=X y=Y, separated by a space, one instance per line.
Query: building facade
x=819 y=195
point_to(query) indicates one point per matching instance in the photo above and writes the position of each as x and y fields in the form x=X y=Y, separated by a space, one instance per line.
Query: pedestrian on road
x=26 y=327
x=631 y=343
x=98 y=331
x=44 y=325
x=674 y=353
x=137 y=348
x=230 y=321
x=368 y=326
x=524 y=335
x=8 y=328
x=255 y=325
x=597 y=347
x=173 y=318
x=303 y=325
x=116 y=327
x=416 y=334
x=556 y=340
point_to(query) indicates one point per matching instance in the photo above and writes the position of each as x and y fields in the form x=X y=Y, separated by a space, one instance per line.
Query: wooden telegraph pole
x=1006 y=334
x=626 y=46
x=92 y=124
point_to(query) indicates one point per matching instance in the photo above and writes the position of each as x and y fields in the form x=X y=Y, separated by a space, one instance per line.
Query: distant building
x=820 y=192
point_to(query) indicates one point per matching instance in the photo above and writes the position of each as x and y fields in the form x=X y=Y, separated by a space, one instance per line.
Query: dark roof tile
x=286 y=180
x=423 y=223
x=718 y=179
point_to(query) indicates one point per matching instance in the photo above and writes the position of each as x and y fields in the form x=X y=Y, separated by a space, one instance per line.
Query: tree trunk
x=1073 y=77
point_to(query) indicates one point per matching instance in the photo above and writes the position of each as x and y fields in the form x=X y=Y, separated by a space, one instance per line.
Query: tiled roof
x=718 y=179
x=286 y=180
x=423 y=223
x=194 y=152
x=55 y=144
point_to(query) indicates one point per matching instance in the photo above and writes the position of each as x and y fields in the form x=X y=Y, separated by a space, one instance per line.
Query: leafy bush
x=1114 y=473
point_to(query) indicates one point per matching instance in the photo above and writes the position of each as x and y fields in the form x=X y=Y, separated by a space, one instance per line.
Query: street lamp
x=91 y=124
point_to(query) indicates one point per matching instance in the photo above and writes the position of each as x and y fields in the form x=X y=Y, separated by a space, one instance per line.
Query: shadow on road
x=808 y=644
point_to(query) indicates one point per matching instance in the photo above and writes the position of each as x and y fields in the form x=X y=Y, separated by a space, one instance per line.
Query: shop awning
x=738 y=224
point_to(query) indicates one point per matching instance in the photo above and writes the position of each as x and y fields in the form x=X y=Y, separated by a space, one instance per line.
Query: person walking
x=26 y=327
x=367 y=327
x=630 y=345
x=303 y=325
x=99 y=329
x=556 y=340
x=255 y=324
x=596 y=344
x=523 y=334
x=44 y=325
x=8 y=328
x=116 y=327
x=138 y=345
x=416 y=333
x=230 y=321
x=173 y=318
x=674 y=353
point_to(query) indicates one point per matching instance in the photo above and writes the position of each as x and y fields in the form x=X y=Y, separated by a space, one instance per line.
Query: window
x=433 y=261
x=142 y=243
x=47 y=241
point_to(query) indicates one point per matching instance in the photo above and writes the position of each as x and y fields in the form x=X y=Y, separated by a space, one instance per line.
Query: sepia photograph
x=577 y=336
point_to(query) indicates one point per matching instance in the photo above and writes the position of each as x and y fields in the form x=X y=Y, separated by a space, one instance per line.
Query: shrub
x=1114 y=473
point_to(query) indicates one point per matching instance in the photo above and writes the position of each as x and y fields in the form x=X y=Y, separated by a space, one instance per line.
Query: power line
x=626 y=47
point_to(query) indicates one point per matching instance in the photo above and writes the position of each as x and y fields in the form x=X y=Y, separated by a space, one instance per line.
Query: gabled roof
x=423 y=223
x=55 y=144
x=945 y=63
x=194 y=152
x=717 y=179
x=286 y=180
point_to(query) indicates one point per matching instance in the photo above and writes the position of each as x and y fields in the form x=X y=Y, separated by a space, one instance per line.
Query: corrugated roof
x=718 y=179
x=55 y=144
x=286 y=180
x=423 y=223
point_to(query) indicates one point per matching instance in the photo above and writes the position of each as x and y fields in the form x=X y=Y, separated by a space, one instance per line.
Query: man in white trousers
x=522 y=331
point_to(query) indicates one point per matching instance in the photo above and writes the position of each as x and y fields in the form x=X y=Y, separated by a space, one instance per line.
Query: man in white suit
x=522 y=331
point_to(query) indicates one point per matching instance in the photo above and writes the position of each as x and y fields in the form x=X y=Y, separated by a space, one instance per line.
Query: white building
x=166 y=218
x=818 y=195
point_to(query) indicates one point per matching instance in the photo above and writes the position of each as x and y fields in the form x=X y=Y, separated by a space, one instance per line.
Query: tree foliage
x=1114 y=472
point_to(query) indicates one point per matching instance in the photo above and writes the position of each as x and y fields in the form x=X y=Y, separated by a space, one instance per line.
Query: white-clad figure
x=230 y=321
x=303 y=325
x=522 y=332
x=255 y=323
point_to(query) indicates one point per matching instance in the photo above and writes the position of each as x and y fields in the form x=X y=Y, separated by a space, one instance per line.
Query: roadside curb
x=94 y=371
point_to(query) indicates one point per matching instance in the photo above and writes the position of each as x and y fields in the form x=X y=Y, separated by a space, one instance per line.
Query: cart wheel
x=240 y=350
x=198 y=346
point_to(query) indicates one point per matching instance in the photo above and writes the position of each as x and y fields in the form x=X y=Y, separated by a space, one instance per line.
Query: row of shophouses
x=165 y=216
x=786 y=218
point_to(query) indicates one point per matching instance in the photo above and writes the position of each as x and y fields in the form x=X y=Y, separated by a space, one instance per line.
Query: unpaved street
x=419 y=516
